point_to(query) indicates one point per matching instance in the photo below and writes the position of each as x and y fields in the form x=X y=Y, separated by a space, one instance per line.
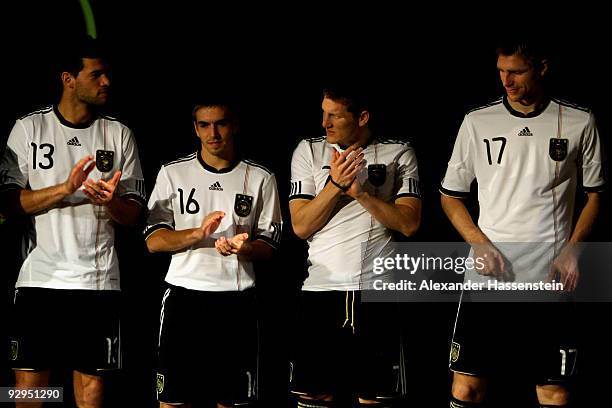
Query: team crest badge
x=160 y=383
x=455 y=348
x=14 y=350
x=377 y=174
x=557 y=149
x=243 y=204
x=104 y=160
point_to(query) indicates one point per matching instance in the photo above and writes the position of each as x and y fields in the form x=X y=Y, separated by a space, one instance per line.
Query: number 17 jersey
x=527 y=168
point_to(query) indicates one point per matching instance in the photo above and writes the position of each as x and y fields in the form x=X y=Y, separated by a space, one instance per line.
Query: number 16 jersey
x=187 y=190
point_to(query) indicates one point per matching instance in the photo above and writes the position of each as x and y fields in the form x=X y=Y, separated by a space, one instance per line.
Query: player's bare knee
x=317 y=397
x=468 y=388
x=552 y=394
x=379 y=402
x=315 y=401
x=27 y=379
x=88 y=390
x=174 y=405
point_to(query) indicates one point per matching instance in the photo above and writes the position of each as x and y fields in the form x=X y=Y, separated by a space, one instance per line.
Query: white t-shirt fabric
x=527 y=168
x=336 y=259
x=187 y=190
x=69 y=246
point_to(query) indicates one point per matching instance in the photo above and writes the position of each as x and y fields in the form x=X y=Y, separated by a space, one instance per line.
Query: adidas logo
x=216 y=186
x=74 y=142
x=525 y=132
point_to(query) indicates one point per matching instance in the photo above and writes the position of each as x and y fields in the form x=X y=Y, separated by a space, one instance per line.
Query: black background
x=428 y=71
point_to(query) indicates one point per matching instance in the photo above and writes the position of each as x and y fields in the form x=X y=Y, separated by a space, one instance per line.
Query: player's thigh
x=28 y=379
x=323 y=345
x=212 y=355
x=380 y=354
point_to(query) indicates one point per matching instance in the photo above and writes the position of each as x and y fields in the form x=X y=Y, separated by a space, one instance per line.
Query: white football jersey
x=69 y=246
x=187 y=190
x=335 y=255
x=527 y=168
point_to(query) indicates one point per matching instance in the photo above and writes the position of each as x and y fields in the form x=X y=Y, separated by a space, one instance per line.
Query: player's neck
x=218 y=162
x=74 y=112
x=361 y=138
x=530 y=104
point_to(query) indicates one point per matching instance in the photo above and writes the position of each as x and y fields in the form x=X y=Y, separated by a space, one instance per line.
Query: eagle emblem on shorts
x=160 y=383
x=14 y=350
x=455 y=349
x=558 y=148
x=243 y=204
x=377 y=174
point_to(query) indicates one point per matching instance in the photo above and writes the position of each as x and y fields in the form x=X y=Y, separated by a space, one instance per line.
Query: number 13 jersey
x=71 y=245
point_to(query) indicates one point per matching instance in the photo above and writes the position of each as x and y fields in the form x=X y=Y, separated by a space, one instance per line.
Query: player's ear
x=364 y=118
x=68 y=79
x=544 y=67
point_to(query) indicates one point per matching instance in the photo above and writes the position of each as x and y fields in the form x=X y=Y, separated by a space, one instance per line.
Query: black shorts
x=345 y=345
x=65 y=328
x=208 y=347
x=537 y=341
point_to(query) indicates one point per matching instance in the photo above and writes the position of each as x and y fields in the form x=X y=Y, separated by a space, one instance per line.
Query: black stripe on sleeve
x=134 y=196
x=296 y=191
x=267 y=240
x=301 y=196
x=296 y=188
x=455 y=194
x=151 y=229
x=140 y=187
x=597 y=189
x=277 y=228
x=417 y=187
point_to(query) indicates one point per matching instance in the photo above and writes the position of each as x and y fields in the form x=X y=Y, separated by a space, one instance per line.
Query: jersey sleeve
x=593 y=176
x=14 y=162
x=407 y=177
x=460 y=171
x=131 y=185
x=160 y=211
x=302 y=178
x=269 y=221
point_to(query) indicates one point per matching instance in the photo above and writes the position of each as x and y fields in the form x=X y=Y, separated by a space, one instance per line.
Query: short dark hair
x=357 y=98
x=533 y=51
x=214 y=99
x=71 y=59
